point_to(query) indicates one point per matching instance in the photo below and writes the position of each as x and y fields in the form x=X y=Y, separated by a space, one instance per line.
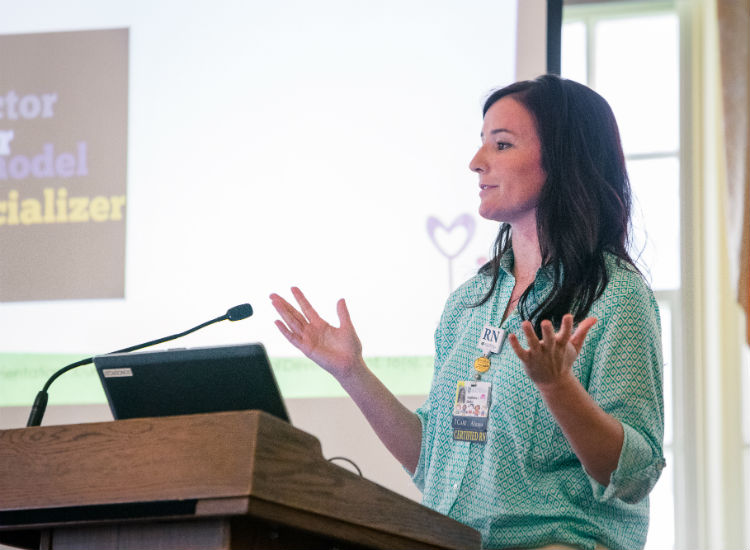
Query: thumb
x=581 y=331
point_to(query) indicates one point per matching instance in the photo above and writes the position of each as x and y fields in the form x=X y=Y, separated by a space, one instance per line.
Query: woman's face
x=509 y=164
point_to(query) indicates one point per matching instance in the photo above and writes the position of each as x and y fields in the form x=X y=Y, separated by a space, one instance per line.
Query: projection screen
x=163 y=161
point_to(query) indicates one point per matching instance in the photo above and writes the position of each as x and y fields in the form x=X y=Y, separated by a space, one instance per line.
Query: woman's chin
x=489 y=213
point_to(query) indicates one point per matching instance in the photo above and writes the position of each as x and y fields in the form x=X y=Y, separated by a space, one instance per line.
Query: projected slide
x=63 y=128
x=163 y=161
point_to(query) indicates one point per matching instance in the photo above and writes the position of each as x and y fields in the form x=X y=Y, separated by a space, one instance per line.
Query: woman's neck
x=527 y=259
x=527 y=255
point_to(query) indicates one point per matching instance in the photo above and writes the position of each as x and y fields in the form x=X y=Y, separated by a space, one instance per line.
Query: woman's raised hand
x=551 y=359
x=336 y=349
x=339 y=351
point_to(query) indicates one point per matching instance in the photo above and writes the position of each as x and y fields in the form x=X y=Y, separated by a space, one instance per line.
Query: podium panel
x=223 y=480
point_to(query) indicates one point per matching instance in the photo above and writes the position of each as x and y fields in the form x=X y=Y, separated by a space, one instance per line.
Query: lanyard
x=491 y=342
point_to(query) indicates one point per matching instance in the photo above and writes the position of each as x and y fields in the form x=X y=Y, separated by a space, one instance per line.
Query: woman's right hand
x=337 y=350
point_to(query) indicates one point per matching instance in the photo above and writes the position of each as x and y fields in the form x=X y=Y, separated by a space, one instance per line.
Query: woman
x=558 y=335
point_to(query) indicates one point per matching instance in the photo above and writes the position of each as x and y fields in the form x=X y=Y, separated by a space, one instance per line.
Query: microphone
x=236 y=313
x=240 y=312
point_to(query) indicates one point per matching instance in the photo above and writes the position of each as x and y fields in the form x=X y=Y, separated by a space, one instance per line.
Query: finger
x=566 y=328
x=307 y=309
x=531 y=338
x=548 y=333
x=293 y=338
x=345 y=319
x=581 y=331
x=279 y=304
x=293 y=318
x=522 y=354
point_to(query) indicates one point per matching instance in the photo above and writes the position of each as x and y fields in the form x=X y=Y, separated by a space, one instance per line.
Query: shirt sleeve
x=443 y=340
x=636 y=472
x=626 y=381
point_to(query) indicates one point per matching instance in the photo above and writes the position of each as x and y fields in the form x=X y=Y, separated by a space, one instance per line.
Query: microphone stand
x=236 y=313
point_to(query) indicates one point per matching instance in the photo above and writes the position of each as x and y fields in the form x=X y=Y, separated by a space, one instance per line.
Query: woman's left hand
x=550 y=360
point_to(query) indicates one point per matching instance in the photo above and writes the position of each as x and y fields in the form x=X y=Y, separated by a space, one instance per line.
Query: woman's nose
x=477 y=163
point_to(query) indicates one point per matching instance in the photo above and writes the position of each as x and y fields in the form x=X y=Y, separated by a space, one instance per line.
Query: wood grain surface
x=233 y=464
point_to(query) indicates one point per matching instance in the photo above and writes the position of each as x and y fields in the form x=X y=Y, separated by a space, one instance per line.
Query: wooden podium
x=224 y=480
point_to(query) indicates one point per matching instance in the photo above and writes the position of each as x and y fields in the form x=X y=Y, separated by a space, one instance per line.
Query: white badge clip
x=491 y=339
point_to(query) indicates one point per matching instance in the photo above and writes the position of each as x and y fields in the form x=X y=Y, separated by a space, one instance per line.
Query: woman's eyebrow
x=497 y=131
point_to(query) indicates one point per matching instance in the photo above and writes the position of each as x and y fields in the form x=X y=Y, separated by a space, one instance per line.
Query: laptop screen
x=190 y=381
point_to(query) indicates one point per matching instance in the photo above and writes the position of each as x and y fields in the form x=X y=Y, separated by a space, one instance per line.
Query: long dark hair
x=584 y=206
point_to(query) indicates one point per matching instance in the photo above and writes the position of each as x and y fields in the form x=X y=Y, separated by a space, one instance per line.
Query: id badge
x=471 y=411
x=491 y=339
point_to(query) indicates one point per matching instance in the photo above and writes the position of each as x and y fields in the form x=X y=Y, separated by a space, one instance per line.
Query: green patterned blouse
x=525 y=487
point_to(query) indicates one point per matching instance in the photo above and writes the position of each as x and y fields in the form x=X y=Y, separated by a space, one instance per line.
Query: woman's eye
x=502 y=145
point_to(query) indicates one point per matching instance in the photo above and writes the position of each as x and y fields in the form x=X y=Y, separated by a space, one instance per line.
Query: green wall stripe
x=23 y=375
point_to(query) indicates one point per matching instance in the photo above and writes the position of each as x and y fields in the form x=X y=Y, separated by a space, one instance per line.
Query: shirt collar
x=544 y=275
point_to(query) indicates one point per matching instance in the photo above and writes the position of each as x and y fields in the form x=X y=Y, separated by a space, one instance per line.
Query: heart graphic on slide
x=453 y=239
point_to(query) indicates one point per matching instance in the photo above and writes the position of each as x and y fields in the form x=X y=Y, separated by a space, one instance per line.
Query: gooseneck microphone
x=237 y=313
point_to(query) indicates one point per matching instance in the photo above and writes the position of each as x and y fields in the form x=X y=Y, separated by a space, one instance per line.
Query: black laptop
x=190 y=381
